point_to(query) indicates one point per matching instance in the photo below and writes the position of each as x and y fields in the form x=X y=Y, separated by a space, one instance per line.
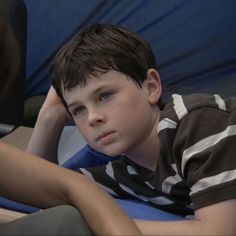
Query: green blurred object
x=31 y=109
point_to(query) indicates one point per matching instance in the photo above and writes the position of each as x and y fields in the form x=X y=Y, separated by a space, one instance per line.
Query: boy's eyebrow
x=71 y=104
x=96 y=91
x=99 y=89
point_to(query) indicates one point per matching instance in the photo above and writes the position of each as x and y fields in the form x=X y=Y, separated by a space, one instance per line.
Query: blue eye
x=105 y=96
x=78 y=110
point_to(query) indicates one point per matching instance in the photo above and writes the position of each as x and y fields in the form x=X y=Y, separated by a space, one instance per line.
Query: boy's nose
x=95 y=118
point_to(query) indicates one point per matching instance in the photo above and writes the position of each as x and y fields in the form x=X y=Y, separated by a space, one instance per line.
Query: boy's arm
x=47 y=131
x=21 y=179
x=217 y=219
x=7 y=215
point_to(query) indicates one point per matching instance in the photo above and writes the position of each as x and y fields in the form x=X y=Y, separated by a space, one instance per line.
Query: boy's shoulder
x=181 y=105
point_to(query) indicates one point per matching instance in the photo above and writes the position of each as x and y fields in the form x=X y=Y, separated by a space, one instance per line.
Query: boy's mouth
x=105 y=137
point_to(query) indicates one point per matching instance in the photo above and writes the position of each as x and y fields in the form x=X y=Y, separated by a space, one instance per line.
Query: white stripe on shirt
x=166 y=124
x=131 y=192
x=149 y=185
x=220 y=102
x=131 y=170
x=208 y=182
x=157 y=200
x=110 y=171
x=179 y=106
x=206 y=143
x=87 y=173
x=161 y=201
x=171 y=181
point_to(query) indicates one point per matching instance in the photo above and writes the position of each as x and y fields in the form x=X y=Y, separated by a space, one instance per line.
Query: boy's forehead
x=110 y=74
x=98 y=79
x=94 y=84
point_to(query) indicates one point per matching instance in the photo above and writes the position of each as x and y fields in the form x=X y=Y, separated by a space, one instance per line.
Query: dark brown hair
x=9 y=53
x=97 y=49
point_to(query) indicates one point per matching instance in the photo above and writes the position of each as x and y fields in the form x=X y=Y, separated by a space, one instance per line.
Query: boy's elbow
x=219 y=218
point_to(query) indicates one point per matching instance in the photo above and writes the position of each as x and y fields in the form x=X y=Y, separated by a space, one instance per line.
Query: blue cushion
x=140 y=210
x=87 y=157
x=16 y=206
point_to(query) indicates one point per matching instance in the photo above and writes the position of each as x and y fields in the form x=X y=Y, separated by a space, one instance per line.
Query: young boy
x=21 y=180
x=178 y=157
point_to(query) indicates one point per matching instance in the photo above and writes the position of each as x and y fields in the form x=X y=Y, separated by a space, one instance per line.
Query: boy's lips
x=104 y=136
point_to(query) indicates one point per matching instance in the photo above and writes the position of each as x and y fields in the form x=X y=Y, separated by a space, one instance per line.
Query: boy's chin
x=111 y=153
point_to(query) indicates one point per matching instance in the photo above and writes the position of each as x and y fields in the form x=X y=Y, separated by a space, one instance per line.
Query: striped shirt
x=197 y=164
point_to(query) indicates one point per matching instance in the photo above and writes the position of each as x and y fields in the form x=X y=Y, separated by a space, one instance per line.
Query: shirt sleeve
x=205 y=147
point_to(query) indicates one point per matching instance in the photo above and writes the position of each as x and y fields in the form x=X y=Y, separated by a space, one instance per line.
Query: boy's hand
x=54 y=106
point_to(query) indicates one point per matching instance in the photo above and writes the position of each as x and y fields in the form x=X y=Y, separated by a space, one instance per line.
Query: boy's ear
x=153 y=85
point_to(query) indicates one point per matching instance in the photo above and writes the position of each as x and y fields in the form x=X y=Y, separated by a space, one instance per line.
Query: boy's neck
x=147 y=155
x=148 y=159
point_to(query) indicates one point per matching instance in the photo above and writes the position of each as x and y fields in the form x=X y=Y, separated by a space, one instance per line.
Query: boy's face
x=113 y=114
